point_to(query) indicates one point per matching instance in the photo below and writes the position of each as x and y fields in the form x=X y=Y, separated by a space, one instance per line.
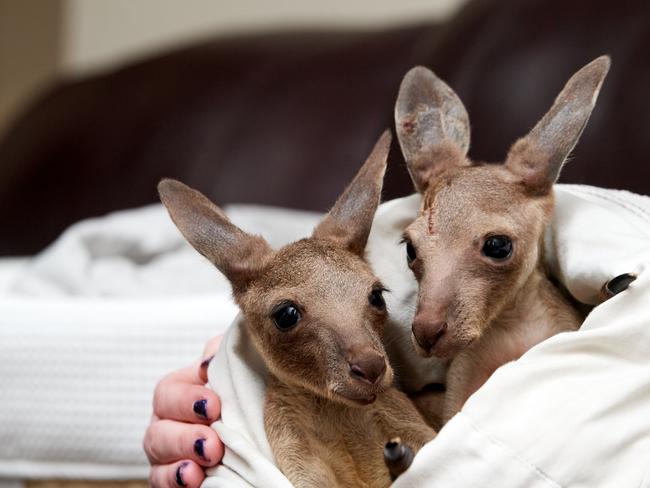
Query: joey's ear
x=236 y=254
x=432 y=126
x=538 y=158
x=350 y=220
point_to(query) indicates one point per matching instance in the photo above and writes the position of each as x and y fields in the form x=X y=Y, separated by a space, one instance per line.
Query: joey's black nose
x=369 y=367
x=428 y=333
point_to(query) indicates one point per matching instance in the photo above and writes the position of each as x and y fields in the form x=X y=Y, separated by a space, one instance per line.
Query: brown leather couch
x=286 y=118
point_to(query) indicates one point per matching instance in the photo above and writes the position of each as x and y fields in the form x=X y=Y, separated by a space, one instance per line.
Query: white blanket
x=573 y=411
x=88 y=327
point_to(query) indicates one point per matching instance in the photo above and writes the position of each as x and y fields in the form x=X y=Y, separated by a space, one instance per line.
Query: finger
x=189 y=374
x=212 y=346
x=181 y=474
x=176 y=400
x=167 y=441
x=210 y=350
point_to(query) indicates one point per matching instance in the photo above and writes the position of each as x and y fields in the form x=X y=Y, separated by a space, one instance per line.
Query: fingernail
x=199 y=448
x=179 y=474
x=206 y=362
x=619 y=283
x=200 y=408
x=397 y=457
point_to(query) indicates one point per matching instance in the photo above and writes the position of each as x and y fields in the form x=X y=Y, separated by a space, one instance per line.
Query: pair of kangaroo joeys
x=316 y=313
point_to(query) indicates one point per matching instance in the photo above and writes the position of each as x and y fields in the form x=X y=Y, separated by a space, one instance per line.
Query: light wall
x=30 y=34
x=99 y=33
x=43 y=39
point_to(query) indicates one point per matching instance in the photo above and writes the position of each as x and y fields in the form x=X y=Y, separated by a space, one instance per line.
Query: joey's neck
x=303 y=396
x=327 y=410
x=537 y=295
x=538 y=311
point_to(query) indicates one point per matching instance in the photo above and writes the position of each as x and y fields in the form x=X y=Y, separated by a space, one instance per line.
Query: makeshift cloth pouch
x=571 y=412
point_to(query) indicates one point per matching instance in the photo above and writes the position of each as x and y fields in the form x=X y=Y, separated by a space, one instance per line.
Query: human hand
x=179 y=442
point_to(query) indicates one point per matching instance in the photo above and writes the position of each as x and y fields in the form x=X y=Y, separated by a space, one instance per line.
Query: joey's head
x=313 y=308
x=479 y=232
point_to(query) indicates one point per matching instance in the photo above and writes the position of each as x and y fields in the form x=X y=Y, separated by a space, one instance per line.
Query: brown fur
x=477 y=311
x=538 y=311
x=326 y=425
x=323 y=443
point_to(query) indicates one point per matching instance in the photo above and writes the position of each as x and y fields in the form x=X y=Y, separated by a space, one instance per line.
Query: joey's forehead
x=318 y=270
x=471 y=199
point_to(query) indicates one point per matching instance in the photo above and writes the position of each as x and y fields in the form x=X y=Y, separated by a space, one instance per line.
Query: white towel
x=573 y=411
x=88 y=327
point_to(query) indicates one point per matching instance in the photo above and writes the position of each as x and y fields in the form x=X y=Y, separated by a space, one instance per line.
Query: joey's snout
x=368 y=366
x=435 y=322
x=428 y=333
x=440 y=337
x=367 y=374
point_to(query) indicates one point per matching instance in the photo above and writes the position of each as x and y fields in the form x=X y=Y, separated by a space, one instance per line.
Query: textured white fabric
x=139 y=253
x=88 y=327
x=77 y=377
x=7 y=483
x=573 y=411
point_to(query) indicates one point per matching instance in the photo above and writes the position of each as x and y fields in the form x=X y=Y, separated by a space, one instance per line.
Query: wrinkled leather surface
x=286 y=119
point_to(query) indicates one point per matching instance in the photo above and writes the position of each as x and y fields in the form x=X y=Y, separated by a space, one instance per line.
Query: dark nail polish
x=619 y=283
x=179 y=475
x=206 y=362
x=199 y=448
x=398 y=457
x=200 y=408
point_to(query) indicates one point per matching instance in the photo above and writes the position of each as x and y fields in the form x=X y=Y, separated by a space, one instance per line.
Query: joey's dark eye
x=286 y=316
x=410 y=252
x=376 y=298
x=497 y=247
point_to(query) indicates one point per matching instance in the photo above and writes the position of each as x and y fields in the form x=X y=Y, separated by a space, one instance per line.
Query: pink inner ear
x=532 y=165
x=428 y=166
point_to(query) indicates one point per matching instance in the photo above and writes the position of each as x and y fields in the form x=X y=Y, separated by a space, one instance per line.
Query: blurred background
x=44 y=41
x=100 y=99
x=274 y=104
x=92 y=92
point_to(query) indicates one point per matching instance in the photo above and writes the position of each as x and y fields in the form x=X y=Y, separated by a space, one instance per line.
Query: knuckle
x=155 y=451
x=152 y=479
x=152 y=447
x=157 y=396
x=160 y=393
x=157 y=477
x=146 y=444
